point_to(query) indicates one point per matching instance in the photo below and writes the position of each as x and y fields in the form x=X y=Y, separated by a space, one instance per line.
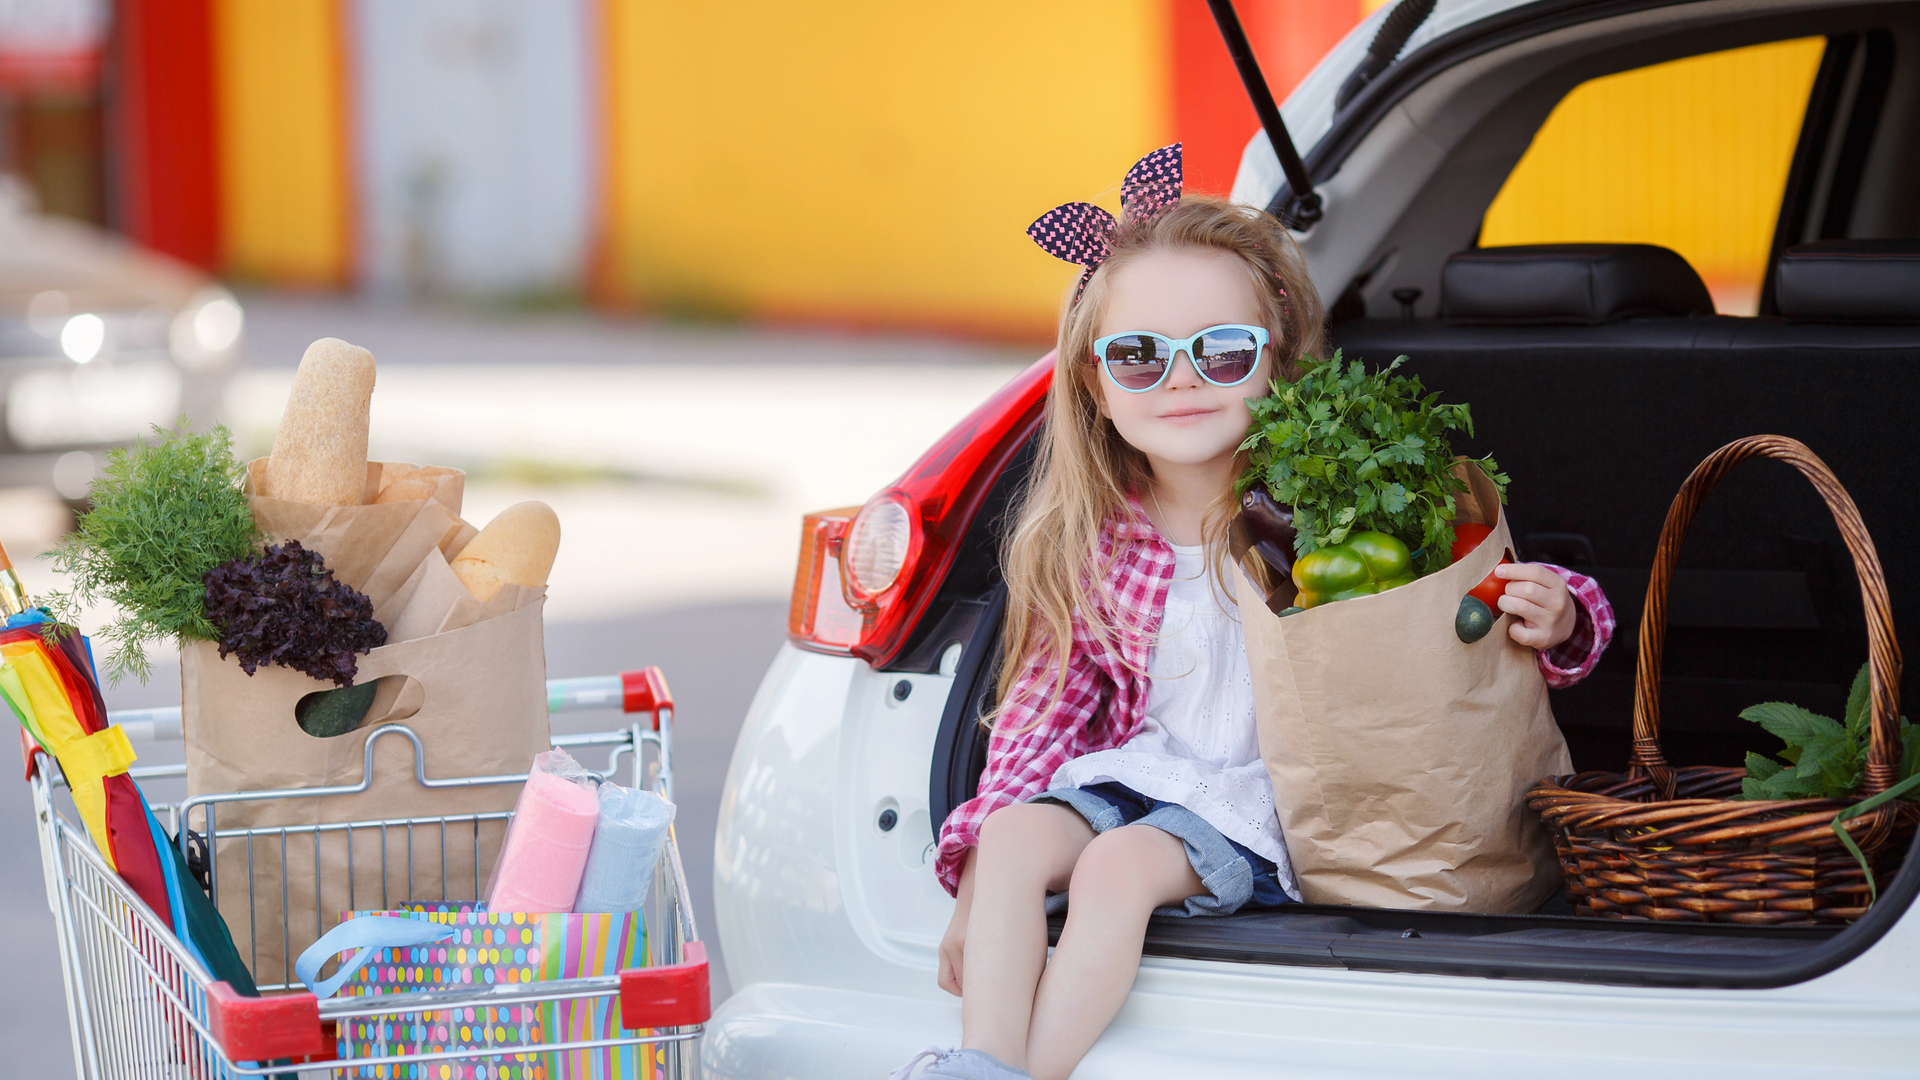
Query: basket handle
x=1883 y=651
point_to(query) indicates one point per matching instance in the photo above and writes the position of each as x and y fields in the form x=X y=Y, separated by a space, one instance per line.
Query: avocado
x=327 y=713
x=1473 y=620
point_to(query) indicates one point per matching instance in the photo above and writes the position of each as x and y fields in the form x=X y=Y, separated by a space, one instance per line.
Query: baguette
x=319 y=456
x=517 y=547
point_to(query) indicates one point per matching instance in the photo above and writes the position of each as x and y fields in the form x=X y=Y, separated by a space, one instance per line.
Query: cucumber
x=1473 y=620
x=328 y=713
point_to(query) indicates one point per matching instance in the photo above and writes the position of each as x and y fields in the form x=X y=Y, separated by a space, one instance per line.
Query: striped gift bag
x=488 y=949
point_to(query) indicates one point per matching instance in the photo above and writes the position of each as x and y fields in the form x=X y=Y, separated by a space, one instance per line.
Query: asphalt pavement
x=678 y=458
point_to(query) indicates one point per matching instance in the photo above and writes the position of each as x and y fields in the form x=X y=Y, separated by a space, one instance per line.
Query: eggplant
x=1270 y=526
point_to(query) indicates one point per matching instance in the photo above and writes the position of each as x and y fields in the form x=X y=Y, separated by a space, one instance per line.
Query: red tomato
x=1491 y=589
x=1466 y=537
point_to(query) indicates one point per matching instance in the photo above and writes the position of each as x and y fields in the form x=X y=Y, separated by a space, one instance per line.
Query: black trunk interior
x=1598 y=427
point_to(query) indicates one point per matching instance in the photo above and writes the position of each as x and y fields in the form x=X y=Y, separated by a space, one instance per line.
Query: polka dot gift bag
x=421 y=948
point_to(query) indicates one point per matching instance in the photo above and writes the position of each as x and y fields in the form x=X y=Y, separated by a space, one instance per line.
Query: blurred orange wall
x=876 y=163
x=286 y=208
x=231 y=133
x=858 y=162
x=1212 y=113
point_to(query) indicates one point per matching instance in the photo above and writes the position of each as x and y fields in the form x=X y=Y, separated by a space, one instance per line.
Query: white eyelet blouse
x=1198 y=745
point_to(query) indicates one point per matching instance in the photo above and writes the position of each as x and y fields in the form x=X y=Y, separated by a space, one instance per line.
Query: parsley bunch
x=1353 y=451
x=1826 y=755
x=163 y=514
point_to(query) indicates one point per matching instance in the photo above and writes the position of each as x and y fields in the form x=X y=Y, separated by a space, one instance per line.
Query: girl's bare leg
x=1121 y=876
x=1025 y=850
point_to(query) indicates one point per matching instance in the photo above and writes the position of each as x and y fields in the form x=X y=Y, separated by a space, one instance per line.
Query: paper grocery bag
x=1400 y=755
x=468 y=678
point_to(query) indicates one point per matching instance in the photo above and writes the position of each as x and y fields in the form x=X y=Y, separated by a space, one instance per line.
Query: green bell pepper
x=1367 y=563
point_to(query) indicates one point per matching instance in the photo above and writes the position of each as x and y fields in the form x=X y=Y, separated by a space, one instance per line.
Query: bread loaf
x=517 y=547
x=320 y=453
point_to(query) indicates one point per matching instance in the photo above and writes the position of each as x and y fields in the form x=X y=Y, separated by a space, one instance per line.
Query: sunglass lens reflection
x=1136 y=362
x=1226 y=356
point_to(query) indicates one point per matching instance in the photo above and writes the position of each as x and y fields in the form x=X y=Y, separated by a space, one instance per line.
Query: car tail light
x=820 y=616
x=865 y=577
x=879 y=544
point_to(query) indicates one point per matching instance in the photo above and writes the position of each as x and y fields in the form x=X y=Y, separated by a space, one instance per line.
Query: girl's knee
x=1038 y=836
x=1125 y=864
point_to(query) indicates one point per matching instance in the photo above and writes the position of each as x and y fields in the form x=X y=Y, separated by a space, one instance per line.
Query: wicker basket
x=1662 y=843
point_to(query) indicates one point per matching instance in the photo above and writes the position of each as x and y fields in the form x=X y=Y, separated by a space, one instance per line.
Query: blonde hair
x=1084 y=469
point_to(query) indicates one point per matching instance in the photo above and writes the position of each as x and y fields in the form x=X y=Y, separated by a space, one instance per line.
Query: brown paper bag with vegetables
x=468 y=676
x=1400 y=753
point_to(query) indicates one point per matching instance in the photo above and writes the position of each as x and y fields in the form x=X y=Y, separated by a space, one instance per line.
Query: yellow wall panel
x=1692 y=155
x=284 y=197
x=868 y=160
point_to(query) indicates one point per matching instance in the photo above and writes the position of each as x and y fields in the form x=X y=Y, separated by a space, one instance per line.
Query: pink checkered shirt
x=1106 y=689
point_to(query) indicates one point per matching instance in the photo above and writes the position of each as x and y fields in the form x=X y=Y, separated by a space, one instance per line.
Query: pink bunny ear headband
x=1083 y=234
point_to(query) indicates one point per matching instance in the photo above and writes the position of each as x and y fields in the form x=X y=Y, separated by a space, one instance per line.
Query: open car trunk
x=1549 y=944
x=1598 y=425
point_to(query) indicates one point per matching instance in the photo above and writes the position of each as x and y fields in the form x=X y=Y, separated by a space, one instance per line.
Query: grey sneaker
x=960 y=1065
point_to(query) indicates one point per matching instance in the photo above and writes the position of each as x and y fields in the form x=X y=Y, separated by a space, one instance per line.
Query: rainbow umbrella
x=47 y=679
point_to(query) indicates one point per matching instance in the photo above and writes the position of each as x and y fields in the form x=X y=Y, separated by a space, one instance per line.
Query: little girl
x=1123 y=769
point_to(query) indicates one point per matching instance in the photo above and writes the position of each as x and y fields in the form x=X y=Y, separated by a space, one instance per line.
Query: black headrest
x=1569 y=284
x=1850 y=281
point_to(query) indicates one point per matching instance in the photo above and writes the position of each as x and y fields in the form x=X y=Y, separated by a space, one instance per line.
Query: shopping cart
x=141 y=1006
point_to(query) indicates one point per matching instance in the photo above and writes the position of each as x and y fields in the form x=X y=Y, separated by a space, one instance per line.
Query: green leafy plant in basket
x=1823 y=758
x=171 y=542
x=1354 y=451
x=163 y=514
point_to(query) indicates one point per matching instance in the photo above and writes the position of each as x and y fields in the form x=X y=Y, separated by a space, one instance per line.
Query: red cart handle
x=673 y=995
x=284 y=1026
x=287 y=1026
x=645 y=691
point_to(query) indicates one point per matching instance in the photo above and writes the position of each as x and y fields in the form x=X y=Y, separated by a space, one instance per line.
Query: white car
x=99 y=341
x=1604 y=394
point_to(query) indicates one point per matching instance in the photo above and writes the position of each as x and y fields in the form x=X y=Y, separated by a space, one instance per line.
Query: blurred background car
x=100 y=340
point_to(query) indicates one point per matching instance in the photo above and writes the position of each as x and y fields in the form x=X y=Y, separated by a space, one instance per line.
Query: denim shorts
x=1235 y=877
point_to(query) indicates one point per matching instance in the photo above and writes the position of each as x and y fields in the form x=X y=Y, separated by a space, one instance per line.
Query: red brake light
x=888 y=559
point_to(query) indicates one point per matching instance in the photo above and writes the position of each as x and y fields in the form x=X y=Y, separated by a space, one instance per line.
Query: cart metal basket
x=140 y=1005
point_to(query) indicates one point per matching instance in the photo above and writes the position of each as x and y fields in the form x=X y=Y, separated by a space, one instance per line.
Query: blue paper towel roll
x=626 y=844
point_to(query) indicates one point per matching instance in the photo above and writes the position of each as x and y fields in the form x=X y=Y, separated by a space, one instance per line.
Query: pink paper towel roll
x=546 y=849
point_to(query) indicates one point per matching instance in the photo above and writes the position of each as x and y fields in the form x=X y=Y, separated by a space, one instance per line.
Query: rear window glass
x=1691 y=155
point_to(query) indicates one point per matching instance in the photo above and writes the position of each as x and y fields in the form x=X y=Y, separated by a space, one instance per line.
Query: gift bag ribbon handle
x=367 y=933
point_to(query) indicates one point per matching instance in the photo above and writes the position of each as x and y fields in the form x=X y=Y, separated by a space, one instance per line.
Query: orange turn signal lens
x=819 y=615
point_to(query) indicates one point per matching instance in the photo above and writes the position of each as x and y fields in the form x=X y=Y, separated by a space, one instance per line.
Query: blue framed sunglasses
x=1139 y=360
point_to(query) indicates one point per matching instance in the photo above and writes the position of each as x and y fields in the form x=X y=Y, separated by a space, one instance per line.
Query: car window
x=1692 y=155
